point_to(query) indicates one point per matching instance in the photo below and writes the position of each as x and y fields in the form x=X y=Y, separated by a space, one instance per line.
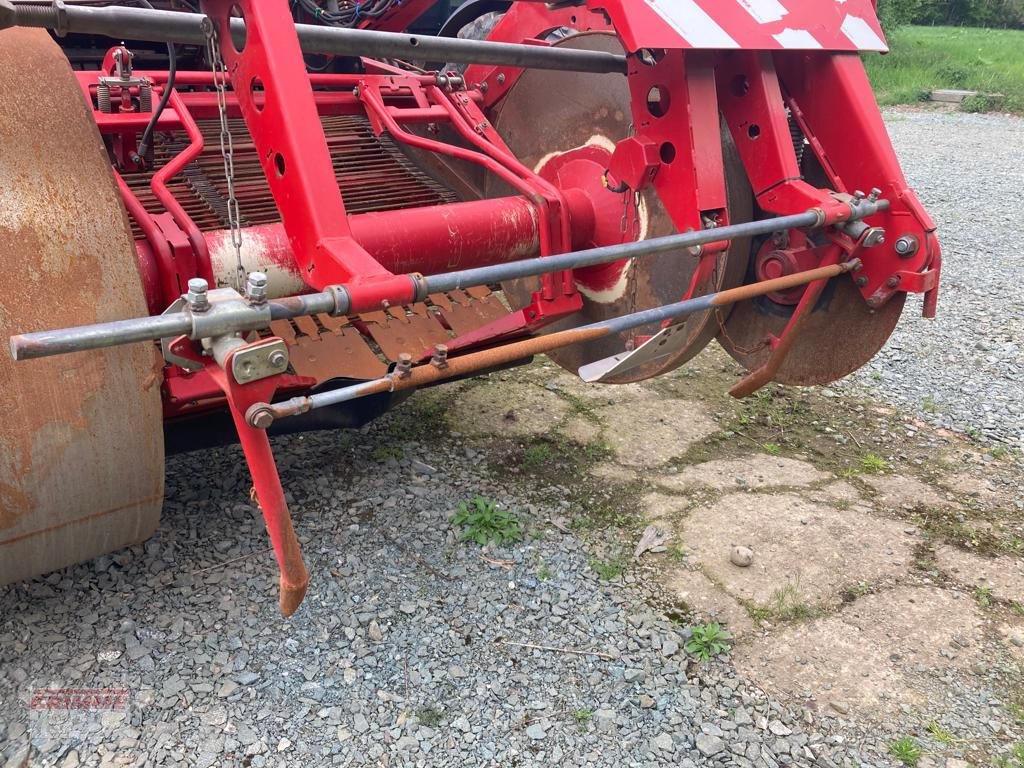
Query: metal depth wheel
x=841 y=334
x=81 y=442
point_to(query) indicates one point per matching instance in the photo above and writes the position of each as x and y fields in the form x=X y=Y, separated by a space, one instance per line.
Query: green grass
x=906 y=750
x=873 y=464
x=923 y=59
x=708 y=640
x=482 y=521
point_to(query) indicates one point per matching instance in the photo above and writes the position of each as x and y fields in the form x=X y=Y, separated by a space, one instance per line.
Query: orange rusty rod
x=407 y=376
x=757 y=379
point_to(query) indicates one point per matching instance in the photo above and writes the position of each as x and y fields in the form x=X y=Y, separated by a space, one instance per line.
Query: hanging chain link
x=227 y=151
x=629 y=225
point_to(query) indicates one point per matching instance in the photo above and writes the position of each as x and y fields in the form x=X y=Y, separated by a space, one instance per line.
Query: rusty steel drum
x=81 y=438
x=550 y=115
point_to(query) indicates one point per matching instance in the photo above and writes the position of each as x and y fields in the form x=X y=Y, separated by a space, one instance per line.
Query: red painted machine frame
x=678 y=90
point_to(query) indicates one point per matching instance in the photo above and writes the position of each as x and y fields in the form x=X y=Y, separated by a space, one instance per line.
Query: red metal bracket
x=260 y=458
x=285 y=127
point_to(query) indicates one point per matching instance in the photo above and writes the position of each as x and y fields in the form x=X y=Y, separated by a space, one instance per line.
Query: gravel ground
x=405 y=651
x=965 y=369
x=398 y=655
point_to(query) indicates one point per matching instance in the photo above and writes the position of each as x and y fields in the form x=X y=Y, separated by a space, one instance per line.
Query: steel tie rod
x=337 y=301
x=122 y=23
x=262 y=415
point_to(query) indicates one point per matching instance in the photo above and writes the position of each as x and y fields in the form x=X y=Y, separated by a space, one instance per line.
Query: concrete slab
x=1005 y=575
x=711 y=603
x=760 y=470
x=806 y=550
x=881 y=652
x=650 y=430
x=895 y=491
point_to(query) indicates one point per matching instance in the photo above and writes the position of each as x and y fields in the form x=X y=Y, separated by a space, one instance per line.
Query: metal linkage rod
x=262 y=415
x=125 y=23
x=339 y=301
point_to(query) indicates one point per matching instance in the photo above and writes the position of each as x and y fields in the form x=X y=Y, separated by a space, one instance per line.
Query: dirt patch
x=895 y=491
x=806 y=550
x=758 y=471
x=613 y=473
x=1004 y=576
x=506 y=408
x=581 y=430
x=701 y=595
x=879 y=653
x=649 y=431
x=661 y=508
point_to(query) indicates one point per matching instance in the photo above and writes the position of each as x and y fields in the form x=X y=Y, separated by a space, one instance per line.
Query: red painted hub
x=783 y=256
x=581 y=170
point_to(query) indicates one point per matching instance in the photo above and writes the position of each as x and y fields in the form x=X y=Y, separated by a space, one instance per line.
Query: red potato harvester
x=302 y=212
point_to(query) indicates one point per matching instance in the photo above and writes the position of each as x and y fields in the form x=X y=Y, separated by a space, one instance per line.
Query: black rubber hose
x=172 y=70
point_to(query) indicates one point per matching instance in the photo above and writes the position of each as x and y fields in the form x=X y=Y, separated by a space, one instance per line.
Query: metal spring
x=798 y=138
x=145 y=98
x=103 y=97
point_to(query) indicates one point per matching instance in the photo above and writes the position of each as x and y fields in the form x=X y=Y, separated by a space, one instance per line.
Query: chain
x=629 y=225
x=227 y=151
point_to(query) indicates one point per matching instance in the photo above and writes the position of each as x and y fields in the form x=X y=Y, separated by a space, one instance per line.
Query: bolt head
x=262 y=419
x=278 y=359
x=256 y=287
x=8 y=14
x=197 y=298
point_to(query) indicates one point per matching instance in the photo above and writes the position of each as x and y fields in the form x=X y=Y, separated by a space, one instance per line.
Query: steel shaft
x=338 y=301
x=122 y=23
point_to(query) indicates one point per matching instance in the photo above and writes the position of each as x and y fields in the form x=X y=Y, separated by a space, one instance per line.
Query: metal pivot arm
x=342 y=300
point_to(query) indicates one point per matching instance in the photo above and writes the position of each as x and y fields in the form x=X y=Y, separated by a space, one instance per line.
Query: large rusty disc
x=841 y=334
x=550 y=118
x=81 y=439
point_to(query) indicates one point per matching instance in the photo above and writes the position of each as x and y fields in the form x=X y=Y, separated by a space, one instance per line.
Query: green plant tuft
x=483 y=522
x=906 y=750
x=707 y=641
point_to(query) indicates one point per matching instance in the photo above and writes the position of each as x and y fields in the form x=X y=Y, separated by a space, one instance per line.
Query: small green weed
x=384 y=452
x=536 y=456
x=707 y=641
x=983 y=594
x=430 y=716
x=607 y=570
x=940 y=734
x=583 y=715
x=544 y=573
x=906 y=750
x=483 y=522
x=786 y=605
x=873 y=464
x=1013 y=760
x=929 y=405
x=772 y=449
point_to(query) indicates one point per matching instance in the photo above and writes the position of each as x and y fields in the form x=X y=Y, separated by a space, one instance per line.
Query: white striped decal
x=797 y=39
x=693 y=24
x=860 y=33
x=764 y=11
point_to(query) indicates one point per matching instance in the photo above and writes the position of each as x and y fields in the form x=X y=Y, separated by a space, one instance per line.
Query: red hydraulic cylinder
x=427 y=240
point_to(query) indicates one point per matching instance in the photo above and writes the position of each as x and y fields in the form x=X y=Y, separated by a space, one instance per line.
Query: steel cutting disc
x=551 y=119
x=840 y=336
x=842 y=333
